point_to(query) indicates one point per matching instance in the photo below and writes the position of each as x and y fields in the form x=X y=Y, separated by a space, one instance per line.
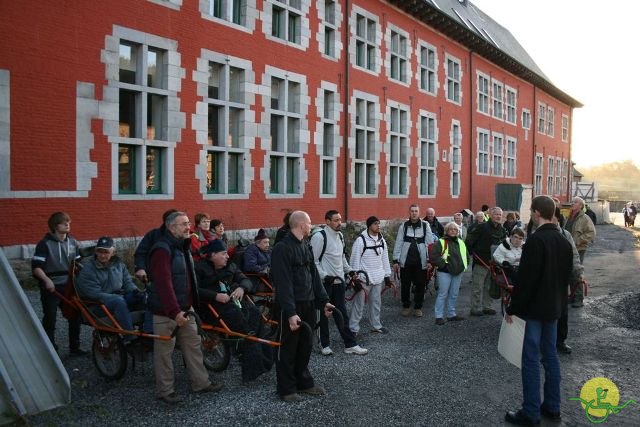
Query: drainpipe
x=345 y=111
x=471 y=133
x=534 y=130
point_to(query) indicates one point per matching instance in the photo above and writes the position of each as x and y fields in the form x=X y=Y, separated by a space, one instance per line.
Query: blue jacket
x=256 y=260
x=99 y=282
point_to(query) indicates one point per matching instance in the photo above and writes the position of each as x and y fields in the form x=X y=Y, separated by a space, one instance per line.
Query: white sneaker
x=356 y=349
x=326 y=351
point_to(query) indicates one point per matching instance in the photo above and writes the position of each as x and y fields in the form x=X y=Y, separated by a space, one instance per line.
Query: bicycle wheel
x=109 y=355
x=215 y=352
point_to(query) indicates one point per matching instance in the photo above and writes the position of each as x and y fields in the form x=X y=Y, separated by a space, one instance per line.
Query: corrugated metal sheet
x=33 y=378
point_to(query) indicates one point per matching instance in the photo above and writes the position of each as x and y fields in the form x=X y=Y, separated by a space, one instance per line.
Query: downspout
x=471 y=132
x=345 y=112
x=569 y=189
x=534 y=130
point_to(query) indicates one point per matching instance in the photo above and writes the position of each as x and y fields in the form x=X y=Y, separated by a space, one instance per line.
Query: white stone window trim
x=551 y=160
x=419 y=66
x=176 y=120
x=267 y=21
x=538 y=173
x=495 y=155
x=251 y=16
x=418 y=151
x=527 y=112
x=353 y=23
x=403 y=193
x=387 y=62
x=541 y=122
x=551 y=122
x=448 y=57
x=318 y=135
x=487 y=133
x=199 y=121
x=265 y=129
x=367 y=97
x=508 y=89
x=511 y=139
x=565 y=127
x=494 y=100
x=171 y=4
x=487 y=78
x=337 y=27
x=455 y=145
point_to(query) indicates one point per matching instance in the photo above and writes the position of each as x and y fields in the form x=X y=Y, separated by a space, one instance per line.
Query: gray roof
x=464 y=22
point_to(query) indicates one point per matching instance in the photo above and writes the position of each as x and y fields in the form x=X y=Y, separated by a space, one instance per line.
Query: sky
x=588 y=50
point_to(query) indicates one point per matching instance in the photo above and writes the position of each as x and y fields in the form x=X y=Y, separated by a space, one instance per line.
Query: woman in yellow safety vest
x=450 y=256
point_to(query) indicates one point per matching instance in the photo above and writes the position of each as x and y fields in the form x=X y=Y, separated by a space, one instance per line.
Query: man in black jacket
x=436 y=228
x=298 y=292
x=545 y=269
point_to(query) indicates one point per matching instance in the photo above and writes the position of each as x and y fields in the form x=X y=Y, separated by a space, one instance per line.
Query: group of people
x=185 y=265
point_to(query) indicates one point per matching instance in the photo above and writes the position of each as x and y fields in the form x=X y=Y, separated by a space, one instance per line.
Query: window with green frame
x=126 y=169
x=154 y=170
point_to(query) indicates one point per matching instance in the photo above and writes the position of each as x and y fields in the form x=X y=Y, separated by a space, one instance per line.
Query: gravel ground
x=418 y=374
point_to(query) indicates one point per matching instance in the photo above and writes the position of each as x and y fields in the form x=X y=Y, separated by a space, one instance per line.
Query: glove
x=387 y=281
x=351 y=274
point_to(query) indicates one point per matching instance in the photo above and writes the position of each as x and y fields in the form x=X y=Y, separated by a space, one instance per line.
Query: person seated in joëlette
x=105 y=278
x=223 y=285
x=507 y=254
x=257 y=256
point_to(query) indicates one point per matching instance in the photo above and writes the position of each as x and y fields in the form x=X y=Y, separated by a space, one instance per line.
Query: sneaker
x=326 y=351
x=455 y=318
x=489 y=311
x=440 y=321
x=316 y=390
x=356 y=349
x=77 y=352
x=406 y=312
x=418 y=313
x=212 y=388
x=382 y=330
x=518 y=418
x=171 y=399
x=291 y=398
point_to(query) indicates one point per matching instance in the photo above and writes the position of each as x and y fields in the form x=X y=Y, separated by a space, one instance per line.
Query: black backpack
x=375 y=248
x=324 y=242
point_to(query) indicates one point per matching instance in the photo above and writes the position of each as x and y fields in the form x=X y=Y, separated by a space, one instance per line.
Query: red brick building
x=116 y=111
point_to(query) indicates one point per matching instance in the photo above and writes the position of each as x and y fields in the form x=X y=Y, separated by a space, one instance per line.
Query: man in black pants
x=298 y=292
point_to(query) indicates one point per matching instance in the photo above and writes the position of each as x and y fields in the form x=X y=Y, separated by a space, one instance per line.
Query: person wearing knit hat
x=257 y=256
x=372 y=220
x=214 y=246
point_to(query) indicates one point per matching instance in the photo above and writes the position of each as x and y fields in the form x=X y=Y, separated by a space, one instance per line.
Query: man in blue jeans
x=545 y=269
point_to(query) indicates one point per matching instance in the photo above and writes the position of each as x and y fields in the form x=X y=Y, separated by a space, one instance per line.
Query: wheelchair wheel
x=215 y=352
x=109 y=355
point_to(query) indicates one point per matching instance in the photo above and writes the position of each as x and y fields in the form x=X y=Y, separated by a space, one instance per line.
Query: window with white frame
x=511 y=157
x=285 y=154
x=234 y=11
x=330 y=144
x=551 y=116
x=565 y=175
x=483 y=152
x=286 y=20
x=497 y=96
x=428 y=66
x=398 y=126
x=456 y=160
x=143 y=116
x=565 y=128
x=366 y=42
x=428 y=140
x=542 y=118
x=557 y=177
x=330 y=15
x=453 y=79
x=226 y=122
x=526 y=119
x=498 y=154
x=550 y=164
x=537 y=190
x=483 y=94
x=512 y=107
x=398 y=56
x=365 y=147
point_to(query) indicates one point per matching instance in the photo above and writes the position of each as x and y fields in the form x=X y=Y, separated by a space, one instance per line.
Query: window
x=365 y=147
x=428 y=67
x=328 y=36
x=557 y=177
x=542 y=118
x=565 y=128
x=498 y=148
x=565 y=175
x=526 y=119
x=537 y=190
x=428 y=152
x=234 y=11
x=550 y=164
x=456 y=153
x=483 y=94
x=398 y=57
x=328 y=127
x=551 y=117
x=366 y=42
x=511 y=105
x=285 y=155
x=511 y=157
x=226 y=110
x=453 y=79
x=497 y=95
x=398 y=150
x=143 y=119
x=483 y=152
x=286 y=20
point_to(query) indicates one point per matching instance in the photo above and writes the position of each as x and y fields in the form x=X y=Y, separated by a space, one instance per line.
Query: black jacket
x=436 y=227
x=545 y=269
x=294 y=275
x=480 y=239
x=209 y=279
